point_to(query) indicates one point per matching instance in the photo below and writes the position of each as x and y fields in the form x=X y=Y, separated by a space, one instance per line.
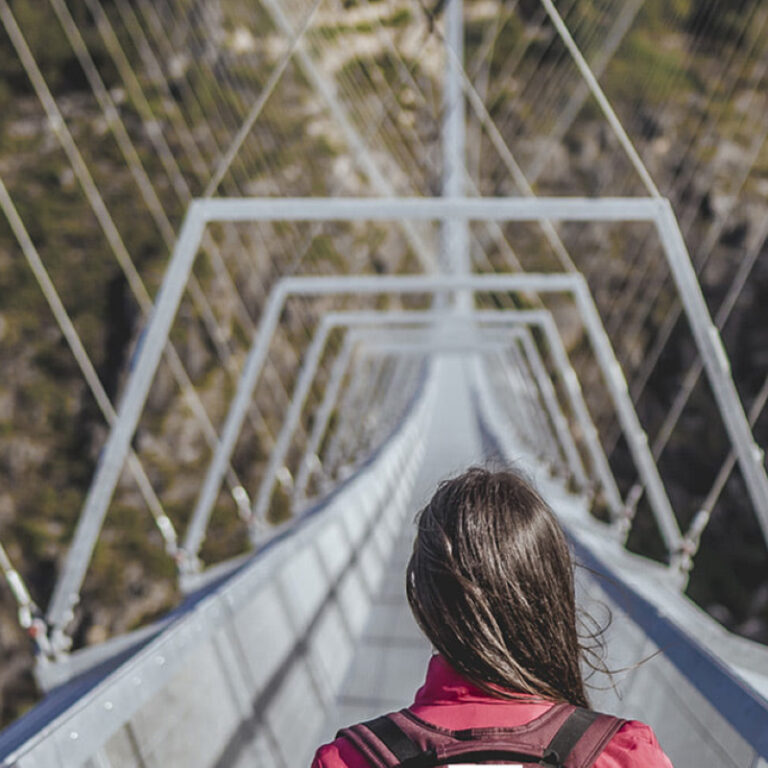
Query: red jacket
x=449 y=701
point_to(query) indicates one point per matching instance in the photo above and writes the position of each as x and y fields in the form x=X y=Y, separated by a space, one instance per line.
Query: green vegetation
x=661 y=81
x=641 y=65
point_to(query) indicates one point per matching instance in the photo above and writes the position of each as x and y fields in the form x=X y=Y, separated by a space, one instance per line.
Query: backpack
x=563 y=737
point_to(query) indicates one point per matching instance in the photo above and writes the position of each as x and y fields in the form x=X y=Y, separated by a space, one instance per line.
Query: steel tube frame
x=512 y=318
x=705 y=332
x=556 y=282
x=310 y=458
x=137 y=388
x=66 y=592
x=402 y=318
x=384 y=344
x=601 y=466
x=293 y=414
x=657 y=211
x=529 y=410
x=418 y=344
x=455 y=231
x=426 y=209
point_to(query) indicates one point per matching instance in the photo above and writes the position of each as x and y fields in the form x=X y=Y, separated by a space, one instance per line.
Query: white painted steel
x=305 y=599
x=426 y=209
x=656 y=210
x=388 y=342
x=512 y=318
x=115 y=451
x=67 y=588
x=750 y=456
x=556 y=282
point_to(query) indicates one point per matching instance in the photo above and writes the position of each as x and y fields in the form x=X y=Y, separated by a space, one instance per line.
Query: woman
x=490 y=583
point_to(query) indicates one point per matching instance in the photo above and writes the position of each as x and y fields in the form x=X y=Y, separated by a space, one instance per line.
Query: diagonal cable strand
x=163 y=522
x=597 y=92
x=708 y=505
x=272 y=82
x=74 y=571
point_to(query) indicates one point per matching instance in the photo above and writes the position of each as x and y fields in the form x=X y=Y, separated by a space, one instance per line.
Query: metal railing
x=203 y=213
x=195 y=99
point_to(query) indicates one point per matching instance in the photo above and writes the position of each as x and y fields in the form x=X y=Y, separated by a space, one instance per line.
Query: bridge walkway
x=391 y=655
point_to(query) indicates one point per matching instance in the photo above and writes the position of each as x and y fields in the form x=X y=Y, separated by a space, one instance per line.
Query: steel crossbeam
x=557 y=282
x=310 y=460
x=426 y=209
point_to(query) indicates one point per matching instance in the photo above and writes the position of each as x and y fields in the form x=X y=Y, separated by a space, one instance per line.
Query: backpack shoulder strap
x=577 y=743
x=581 y=738
x=386 y=745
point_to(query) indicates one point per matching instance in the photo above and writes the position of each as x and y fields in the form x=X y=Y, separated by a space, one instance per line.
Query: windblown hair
x=490 y=583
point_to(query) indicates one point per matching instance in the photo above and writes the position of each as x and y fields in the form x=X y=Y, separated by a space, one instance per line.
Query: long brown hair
x=490 y=583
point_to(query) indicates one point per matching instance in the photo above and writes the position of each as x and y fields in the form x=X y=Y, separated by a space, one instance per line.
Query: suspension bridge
x=350 y=258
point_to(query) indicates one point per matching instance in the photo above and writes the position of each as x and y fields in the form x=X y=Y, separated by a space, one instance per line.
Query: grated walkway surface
x=391 y=657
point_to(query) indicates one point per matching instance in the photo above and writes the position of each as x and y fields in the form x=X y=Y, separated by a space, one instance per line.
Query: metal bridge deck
x=391 y=654
x=314 y=631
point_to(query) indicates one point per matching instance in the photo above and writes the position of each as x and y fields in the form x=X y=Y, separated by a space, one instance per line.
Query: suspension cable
x=507 y=157
x=605 y=105
x=146 y=188
x=184 y=194
x=88 y=534
x=30 y=617
x=699 y=523
x=578 y=97
x=274 y=79
x=163 y=522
